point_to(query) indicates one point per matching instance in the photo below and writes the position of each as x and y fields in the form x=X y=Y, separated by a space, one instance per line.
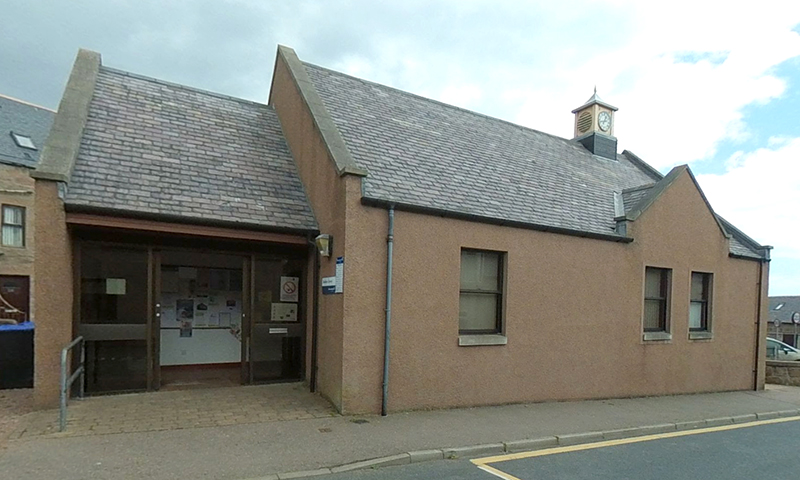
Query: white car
x=777 y=350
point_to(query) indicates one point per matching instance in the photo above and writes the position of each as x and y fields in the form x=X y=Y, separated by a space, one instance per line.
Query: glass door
x=115 y=291
x=274 y=327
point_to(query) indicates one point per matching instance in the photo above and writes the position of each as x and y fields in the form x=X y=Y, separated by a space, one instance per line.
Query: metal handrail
x=66 y=383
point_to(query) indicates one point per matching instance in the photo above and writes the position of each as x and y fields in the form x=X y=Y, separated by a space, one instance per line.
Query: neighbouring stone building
x=23 y=131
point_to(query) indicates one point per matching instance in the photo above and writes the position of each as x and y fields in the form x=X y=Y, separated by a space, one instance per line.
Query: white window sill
x=700 y=336
x=476 y=340
x=656 y=336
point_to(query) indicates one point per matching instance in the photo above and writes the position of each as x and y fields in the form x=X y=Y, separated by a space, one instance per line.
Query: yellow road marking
x=498 y=473
x=482 y=462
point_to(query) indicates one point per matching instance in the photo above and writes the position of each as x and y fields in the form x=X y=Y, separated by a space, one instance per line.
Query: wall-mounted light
x=324 y=243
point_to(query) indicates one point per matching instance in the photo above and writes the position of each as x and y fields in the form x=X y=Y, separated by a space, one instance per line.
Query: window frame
x=499 y=293
x=665 y=300
x=4 y=224
x=706 y=312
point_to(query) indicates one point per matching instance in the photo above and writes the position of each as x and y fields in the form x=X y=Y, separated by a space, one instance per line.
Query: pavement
x=307 y=437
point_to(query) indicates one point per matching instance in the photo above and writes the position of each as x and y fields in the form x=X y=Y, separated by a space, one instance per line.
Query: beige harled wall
x=573 y=311
x=326 y=193
x=53 y=290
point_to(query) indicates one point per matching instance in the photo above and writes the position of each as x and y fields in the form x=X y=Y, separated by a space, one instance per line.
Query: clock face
x=604 y=121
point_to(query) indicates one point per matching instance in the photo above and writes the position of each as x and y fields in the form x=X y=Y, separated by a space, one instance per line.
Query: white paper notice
x=284 y=312
x=115 y=286
x=339 y=274
x=290 y=289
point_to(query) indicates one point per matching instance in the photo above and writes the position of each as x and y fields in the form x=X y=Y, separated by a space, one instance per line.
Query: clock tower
x=594 y=127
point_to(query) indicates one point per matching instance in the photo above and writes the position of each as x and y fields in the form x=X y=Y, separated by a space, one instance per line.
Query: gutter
x=373 y=202
x=388 y=319
x=758 y=322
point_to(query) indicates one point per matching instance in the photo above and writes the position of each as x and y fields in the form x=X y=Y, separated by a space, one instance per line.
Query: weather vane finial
x=595 y=89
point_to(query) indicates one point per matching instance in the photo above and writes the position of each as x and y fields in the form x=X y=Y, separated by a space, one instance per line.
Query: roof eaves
x=344 y=162
x=383 y=203
x=763 y=251
x=63 y=143
x=166 y=217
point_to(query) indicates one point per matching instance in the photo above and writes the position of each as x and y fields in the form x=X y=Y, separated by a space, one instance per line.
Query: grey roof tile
x=423 y=153
x=632 y=196
x=427 y=154
x=156 y=148
x=790 y=304
x=25 y=119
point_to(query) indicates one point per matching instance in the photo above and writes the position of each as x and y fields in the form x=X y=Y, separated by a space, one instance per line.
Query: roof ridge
x=23 y=102
x=447 y=105
x=180 y=86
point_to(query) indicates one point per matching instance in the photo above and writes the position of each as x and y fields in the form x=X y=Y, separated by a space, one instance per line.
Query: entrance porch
x=173 y=311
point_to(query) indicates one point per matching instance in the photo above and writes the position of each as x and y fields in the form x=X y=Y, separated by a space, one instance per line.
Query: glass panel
x=479 y=270
x=488 y=272
x=652 y=283
x=698 y=286
x=277 y=331
x=114 y=292
x=113 y=285
x=470 y=269
x=116 y=365
x=696 y=315
x=13 y=236
x=266 y=289
x=653 y=314
x=12 y=215
x=477 y=312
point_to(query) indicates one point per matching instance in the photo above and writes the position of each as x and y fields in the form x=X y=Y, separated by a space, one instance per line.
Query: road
x=754 y=451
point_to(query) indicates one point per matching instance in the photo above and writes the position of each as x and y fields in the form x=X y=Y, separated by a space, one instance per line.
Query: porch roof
x=159 y=149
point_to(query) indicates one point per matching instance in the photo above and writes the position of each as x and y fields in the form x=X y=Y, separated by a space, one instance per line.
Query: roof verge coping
x=63 y=143
x=345 y=165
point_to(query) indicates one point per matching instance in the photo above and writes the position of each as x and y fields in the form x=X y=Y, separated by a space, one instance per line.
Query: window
x=481 y=299
x=23 y=141
x=656 y=299
x=13 y=233
x=699 y=307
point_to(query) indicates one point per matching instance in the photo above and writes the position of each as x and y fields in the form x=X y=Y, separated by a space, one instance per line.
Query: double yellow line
x=483 y=463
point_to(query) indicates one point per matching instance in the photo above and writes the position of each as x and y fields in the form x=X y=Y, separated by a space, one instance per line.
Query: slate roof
x=426 y=154
x=791 y=304
x=422 y=153
x=632 y=196
x=25 y=119
x=156 y=148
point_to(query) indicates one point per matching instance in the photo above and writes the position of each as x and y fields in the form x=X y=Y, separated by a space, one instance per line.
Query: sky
x=715 y=85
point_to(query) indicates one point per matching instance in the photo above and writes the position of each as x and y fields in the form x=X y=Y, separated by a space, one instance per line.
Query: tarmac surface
x=269 y=445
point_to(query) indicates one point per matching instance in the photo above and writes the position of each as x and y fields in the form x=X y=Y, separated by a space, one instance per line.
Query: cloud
x=760 y=194
x=681 y=72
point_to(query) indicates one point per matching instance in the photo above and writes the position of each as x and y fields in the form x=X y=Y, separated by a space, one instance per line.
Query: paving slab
x=266 y=448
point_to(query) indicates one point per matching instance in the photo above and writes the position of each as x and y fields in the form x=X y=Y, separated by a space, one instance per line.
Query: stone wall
x=783 y=373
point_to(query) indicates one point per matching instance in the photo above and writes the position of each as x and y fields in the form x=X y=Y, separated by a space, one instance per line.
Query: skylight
x=780 y=305
x=23 y=141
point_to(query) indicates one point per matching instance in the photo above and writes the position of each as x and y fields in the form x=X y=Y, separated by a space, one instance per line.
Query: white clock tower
x=594 y=127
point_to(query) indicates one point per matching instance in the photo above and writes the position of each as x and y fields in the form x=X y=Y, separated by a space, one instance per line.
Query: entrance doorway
x=160 y=316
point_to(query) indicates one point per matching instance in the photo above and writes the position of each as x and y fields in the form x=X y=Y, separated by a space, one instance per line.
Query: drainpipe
x=315 y=323
x=389 y=245
x=758 y=321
